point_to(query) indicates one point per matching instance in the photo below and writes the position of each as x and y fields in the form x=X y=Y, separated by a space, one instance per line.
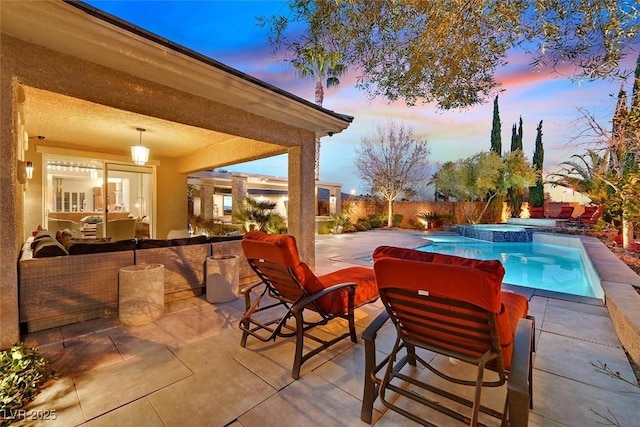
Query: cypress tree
x=536 y=193
x=519 y=140
x=514 y=137
x=496 y=140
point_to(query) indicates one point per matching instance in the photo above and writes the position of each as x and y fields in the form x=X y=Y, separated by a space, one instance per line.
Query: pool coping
x=618 y=282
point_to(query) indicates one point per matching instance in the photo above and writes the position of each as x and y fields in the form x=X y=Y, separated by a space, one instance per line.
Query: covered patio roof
x=196 y=141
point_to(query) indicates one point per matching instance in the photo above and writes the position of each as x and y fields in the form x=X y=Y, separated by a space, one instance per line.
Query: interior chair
x=454 y=307
x=565 y=213
x=54 y=225
x=118 y=229
x=295 y=299
x=178 y=234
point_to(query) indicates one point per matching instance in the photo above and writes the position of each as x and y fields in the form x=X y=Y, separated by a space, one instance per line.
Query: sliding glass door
x=85 y=194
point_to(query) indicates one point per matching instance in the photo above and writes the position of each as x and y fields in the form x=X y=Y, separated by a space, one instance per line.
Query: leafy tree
x=496 y=131
x=609 y=175
x=536 y=193
x=481 y=178
x=392 y=161
x=448 y=52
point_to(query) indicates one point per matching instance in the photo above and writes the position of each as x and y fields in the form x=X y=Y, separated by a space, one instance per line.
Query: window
x=78 y=188
x=227 y=205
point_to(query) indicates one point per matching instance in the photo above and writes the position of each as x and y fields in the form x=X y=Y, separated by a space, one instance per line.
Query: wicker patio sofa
x=183 y=261
x=69 y=286
x=60 y=290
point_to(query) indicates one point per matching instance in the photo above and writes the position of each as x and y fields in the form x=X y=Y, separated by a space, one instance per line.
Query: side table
x=141 y=293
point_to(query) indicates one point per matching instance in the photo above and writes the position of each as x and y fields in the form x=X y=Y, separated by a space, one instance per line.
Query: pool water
x=530 y=264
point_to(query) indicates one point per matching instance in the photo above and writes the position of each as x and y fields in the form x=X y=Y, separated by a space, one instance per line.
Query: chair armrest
x=311 y=298
x=371 y=331
x=250 y=287
x=518 y=383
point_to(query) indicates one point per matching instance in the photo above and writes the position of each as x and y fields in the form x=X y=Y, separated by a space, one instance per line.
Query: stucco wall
x=171 y=201
x=11 y=212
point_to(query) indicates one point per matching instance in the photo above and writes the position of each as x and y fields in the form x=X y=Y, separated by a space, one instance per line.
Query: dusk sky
x=226 y=31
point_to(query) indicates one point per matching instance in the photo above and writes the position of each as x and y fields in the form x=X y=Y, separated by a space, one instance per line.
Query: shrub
x=377 y=221
x=22 y=371
x=397 y=219
x=363 y=224
x=360 y=227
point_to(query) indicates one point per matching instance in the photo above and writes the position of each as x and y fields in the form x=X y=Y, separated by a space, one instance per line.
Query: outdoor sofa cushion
x=167 y=243
x=81 y=248
x=48 y=247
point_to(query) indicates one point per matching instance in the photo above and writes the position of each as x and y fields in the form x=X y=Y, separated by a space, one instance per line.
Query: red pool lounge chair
x=291 y=289
x=454 y=307
x=590 y=215
x=565 y=213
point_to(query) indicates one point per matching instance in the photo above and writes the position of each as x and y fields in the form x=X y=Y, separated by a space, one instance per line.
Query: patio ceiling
x=76 y=123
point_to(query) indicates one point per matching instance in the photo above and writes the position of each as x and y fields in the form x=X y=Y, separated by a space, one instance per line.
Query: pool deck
x=188 y=368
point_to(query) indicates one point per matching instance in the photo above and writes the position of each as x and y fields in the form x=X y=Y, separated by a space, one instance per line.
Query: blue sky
x=227 y=31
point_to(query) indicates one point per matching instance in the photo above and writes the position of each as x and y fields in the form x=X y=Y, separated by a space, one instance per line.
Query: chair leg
x=411 y=354
x=351 y=315
x=297 y=360
x=369 y=395
x=370 y=392
x=245 y=322
x=477 y=396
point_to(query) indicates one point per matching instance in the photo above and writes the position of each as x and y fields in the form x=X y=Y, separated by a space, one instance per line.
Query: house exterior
x=215 y=197
x=76 y=85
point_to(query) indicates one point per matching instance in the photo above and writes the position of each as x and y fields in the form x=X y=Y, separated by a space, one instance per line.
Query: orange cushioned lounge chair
x=565 y=213
x=453 y=307
x=291 y=284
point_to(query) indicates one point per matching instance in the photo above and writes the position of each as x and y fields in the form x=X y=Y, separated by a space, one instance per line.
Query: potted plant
x=432 y=220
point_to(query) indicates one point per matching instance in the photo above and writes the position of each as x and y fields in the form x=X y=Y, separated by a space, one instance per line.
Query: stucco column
x=301 y=212
x=239 y=190
x=206 y=200
x=338 y=193
x=11 y=212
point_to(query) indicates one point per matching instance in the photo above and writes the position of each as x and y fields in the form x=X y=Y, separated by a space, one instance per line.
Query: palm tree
x=315 y=61
x=583 y=173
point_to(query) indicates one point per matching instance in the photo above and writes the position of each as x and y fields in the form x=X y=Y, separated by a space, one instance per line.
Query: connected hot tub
x=503 y=233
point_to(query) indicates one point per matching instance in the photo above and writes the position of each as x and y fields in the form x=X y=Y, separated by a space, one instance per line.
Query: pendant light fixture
x=140 y=153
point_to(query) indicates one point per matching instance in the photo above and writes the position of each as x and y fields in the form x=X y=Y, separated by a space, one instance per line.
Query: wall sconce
x=29 y=169
x=140 y=153
x=332 y=199
x=21 y=172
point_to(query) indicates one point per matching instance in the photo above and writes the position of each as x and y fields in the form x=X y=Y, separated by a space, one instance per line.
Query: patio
x=188 y=367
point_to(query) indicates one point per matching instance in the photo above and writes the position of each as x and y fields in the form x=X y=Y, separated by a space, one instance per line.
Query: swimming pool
x=537 y=264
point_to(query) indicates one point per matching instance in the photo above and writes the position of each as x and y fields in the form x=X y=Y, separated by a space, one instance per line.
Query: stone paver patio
x=188 y=368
